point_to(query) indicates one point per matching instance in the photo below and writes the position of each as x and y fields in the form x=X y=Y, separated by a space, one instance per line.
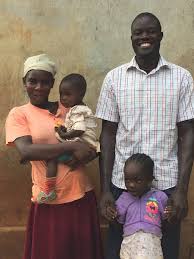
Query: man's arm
x=107 y=157
x=185 y=162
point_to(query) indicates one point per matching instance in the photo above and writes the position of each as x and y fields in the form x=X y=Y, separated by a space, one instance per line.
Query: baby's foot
x=51 y=195
x=43 y=197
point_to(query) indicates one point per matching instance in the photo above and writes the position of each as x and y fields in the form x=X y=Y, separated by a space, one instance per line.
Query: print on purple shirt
x=145 y=213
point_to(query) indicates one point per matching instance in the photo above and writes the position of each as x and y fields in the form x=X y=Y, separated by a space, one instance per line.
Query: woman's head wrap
x=39 y=62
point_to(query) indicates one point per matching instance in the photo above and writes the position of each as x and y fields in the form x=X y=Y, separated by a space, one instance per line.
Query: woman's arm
x=34 y=152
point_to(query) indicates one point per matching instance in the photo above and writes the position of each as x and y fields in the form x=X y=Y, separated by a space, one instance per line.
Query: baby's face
x=69 y=95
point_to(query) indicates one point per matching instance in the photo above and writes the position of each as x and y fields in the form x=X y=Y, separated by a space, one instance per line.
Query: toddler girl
x=141 y=210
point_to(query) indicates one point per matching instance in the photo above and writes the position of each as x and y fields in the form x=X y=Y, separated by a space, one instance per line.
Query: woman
x=67 y=227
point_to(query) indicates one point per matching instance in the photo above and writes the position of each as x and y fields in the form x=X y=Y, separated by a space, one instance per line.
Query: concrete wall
x=89 y=37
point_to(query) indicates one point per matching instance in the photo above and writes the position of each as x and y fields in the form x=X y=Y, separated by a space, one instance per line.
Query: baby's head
x=138 y=173
x=72 y=90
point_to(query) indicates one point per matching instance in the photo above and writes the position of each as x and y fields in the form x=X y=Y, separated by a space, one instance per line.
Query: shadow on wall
x=187 y=60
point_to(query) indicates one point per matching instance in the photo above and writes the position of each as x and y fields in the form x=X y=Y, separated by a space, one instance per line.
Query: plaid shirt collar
x=161 y=64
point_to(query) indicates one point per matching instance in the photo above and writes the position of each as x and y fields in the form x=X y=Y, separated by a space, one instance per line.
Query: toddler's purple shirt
x=144 y=213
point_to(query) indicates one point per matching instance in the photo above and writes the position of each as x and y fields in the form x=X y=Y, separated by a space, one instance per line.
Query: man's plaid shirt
x=147 y=108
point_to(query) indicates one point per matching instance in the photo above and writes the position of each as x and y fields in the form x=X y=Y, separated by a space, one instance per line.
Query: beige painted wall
x=89 y=37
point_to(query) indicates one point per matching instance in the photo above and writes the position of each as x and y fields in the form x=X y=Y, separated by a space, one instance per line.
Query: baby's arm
x=74 y=125
x=70 y=134
x=51 y=168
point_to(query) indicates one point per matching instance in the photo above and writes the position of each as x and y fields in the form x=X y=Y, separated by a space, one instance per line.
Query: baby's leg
x=48 y=193
x=51 y=168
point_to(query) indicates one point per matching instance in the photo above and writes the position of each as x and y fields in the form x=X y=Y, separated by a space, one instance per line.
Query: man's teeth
x=145 y=45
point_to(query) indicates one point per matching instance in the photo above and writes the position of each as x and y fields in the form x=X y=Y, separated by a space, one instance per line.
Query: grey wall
x=89 y=37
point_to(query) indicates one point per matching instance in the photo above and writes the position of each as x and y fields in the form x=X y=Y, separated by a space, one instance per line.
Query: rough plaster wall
x=89 y=37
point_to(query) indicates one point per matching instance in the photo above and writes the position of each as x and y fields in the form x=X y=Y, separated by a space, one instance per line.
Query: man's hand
x=111 y=213
x=107 y=206
x=179 y=206
x=168 y=212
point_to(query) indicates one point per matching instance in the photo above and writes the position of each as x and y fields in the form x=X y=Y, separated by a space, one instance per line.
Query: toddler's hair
x=144 y=161
x=77 y=81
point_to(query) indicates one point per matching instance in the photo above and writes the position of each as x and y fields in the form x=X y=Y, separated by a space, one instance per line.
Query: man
x=147 y=106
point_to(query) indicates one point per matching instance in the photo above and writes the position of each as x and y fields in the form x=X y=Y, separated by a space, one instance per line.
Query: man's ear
x=161 y=35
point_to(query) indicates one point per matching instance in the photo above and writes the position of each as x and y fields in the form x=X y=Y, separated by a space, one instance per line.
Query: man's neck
x=147 y=63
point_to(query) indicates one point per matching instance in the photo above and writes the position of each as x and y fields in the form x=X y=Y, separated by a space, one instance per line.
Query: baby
x=79 y=125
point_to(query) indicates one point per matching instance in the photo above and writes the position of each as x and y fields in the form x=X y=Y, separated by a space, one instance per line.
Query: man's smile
x=145 y=45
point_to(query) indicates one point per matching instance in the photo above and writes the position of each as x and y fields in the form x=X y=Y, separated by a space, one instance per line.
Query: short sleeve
x=121 y=206
x=78 y=122
x=186 y=99
x=107 y=108
x=16 y=126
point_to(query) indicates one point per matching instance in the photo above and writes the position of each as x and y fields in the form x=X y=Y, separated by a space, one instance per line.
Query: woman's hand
x=83 y=152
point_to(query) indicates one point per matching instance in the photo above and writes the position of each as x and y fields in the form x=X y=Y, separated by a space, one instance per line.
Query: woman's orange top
x=39 y=124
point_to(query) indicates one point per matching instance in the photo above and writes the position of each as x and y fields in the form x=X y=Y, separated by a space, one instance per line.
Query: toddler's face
x=69 y=95
x=136 y=182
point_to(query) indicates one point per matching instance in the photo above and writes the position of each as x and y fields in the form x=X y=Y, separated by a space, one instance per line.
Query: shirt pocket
x=129 y=106
x=166 y=110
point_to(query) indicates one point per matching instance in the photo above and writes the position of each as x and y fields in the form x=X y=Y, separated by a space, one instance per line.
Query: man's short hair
x=151 y=15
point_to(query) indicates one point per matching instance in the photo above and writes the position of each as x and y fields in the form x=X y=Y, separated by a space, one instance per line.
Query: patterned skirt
x=141 y=245
x=64 y=231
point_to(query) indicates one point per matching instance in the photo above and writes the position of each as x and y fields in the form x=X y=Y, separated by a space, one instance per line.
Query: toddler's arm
x=122 y=205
